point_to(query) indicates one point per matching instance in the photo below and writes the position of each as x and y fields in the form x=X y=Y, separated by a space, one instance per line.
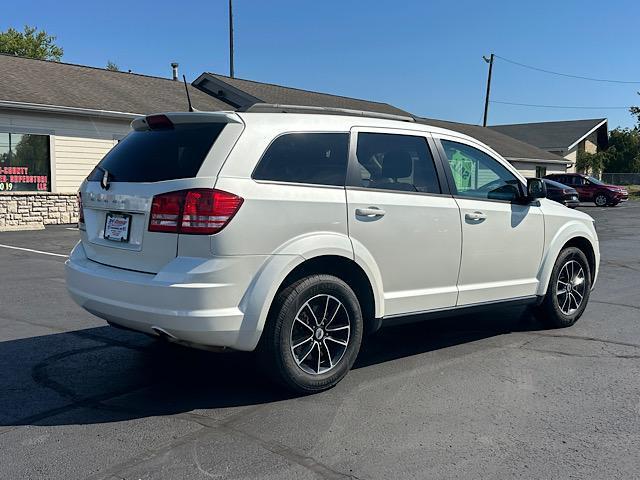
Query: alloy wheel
x=601 y=200
x=320 y=334
x=570 y=287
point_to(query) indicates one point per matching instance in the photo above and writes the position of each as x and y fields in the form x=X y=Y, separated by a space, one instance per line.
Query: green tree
x=592 y=163
x=31 y=43
x=624 y=151
x=112 y=66
x=636 y=111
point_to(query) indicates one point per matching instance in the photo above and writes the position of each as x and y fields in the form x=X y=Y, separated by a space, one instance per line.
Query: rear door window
x=315 y=158
x=157 y=155
x=395 y=162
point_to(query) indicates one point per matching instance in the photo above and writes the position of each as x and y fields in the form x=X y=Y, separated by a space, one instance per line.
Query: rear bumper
x=184 y=300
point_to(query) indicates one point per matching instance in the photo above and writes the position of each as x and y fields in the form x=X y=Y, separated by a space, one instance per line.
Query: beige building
x=564 y=138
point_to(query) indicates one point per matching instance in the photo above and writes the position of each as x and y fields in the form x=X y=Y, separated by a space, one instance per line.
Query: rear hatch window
x=157 y=155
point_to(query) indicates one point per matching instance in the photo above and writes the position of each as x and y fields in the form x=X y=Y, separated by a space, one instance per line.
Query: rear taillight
x=80 y=212
x=165 y=212
x=202 y=211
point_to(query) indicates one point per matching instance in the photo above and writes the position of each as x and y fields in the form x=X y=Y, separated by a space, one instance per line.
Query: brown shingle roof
x=270 y=93
x=64 y=84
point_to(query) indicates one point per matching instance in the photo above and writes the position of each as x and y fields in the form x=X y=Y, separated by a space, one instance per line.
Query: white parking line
x=34 y=251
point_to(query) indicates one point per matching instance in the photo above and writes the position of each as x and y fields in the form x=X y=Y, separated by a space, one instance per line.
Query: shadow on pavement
x=103 y=375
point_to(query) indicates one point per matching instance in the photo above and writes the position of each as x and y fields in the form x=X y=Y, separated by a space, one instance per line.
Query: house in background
x=565 y=138
x=57 y=120
x=530 y=160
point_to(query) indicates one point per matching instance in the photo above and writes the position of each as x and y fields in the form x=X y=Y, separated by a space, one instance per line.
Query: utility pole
x=231 y=38
x=486 y=100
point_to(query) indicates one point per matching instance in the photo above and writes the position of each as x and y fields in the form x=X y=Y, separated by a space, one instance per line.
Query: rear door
x=502 y=240
x=399 y=215
x=118 y=194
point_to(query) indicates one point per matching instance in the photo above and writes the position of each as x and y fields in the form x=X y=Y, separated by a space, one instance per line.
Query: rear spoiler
x=140 y=124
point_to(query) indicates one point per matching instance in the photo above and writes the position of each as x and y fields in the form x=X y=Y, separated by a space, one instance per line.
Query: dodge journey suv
x=294 y=231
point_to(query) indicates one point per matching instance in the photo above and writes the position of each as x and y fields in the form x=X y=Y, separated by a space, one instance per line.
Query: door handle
x=370 y=212
x=475 y=216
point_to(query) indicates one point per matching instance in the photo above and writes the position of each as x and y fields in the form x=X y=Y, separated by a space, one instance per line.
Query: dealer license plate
x=117 y=226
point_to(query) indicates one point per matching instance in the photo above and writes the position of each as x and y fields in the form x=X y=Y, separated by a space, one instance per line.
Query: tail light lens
x=202 y=211
x=165 y=212
x=80 y=212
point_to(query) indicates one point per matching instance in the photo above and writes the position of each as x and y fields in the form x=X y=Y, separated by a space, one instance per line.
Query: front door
x=402 y=221
x=502 y=240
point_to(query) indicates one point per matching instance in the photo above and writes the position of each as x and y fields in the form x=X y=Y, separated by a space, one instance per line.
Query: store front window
x=24 y=162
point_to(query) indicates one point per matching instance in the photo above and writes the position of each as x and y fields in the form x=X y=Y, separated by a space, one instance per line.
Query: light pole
x=486 y=99
x=231 y=38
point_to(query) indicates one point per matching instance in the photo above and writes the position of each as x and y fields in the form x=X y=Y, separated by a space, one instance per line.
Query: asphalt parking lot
x=492 y=396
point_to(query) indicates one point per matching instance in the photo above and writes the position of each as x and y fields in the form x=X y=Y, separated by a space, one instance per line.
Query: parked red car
x=591 y=189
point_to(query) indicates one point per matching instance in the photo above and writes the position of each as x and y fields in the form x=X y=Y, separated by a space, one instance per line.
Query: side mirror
x=536 y=188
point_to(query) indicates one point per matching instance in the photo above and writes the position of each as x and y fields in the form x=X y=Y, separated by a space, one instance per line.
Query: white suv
x=292 y=232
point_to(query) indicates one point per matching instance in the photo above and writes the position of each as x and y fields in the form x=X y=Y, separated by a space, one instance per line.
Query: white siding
x=528 y=169
x=75 y=158
x=78 y=142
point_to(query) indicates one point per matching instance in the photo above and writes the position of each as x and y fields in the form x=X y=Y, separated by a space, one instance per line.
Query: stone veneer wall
x=31 y=210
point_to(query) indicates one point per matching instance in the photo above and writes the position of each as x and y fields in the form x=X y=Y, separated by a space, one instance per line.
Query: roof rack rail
x=281 y=108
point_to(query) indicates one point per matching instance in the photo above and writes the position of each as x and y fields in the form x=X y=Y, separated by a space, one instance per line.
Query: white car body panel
x=216 y=290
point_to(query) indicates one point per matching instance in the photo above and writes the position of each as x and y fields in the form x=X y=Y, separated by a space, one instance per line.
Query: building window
x=24 y=162
x=541 y=171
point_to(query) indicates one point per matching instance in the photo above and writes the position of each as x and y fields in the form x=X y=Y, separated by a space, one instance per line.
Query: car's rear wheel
x=601 y=200
x=313 y=334
x=568 y=291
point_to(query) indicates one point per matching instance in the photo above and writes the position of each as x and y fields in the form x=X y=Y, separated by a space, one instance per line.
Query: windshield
x=595 y=181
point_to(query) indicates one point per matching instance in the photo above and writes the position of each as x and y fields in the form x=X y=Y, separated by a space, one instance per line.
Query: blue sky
x=423 y=56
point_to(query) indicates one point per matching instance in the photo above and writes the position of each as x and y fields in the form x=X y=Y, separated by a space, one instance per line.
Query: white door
x=502 y=238
x=400 y=220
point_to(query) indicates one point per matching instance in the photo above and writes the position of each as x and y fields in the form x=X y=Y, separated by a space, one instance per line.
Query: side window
x=317 y=158
x=479 y=175
x=396 y=162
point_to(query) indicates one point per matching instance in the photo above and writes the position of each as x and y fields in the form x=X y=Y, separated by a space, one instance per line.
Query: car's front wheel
x=568 y=291
x=601 y=200
x=313 y=334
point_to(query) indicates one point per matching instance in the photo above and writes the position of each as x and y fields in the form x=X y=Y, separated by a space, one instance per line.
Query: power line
x=567 y=74
x=558 y=106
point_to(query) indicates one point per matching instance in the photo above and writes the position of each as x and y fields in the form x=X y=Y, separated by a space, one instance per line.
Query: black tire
x=601 y=200
x=275 y=353
x=550 y=312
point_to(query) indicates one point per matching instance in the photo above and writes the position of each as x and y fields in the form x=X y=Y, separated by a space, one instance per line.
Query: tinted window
x=156 y=155
x=479 y=175
x=318 y=158
x=396 y=162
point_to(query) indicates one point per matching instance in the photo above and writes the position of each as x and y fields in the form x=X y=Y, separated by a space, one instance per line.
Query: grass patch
x=634 y=191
